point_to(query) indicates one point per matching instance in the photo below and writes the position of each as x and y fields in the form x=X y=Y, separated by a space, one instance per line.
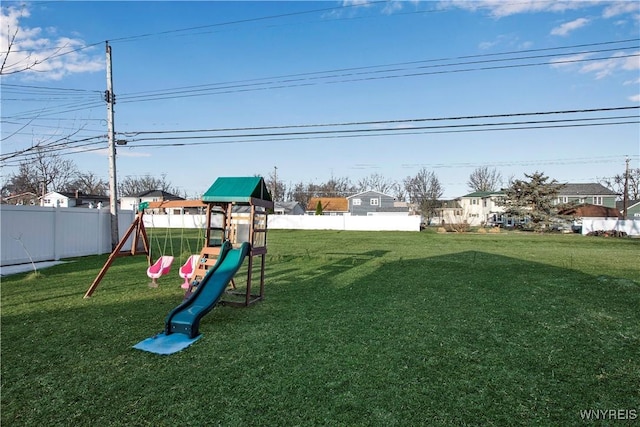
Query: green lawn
x=357 y=329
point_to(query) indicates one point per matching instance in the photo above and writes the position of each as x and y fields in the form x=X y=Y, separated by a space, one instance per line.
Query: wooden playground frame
x=231 y=230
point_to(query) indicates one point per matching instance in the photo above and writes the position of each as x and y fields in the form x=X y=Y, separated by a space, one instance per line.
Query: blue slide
x=182 y=323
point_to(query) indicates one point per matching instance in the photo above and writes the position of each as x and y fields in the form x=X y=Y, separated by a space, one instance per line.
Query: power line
x=350 y=75
x=239 y=21
x=265 y=137
x=352 y=69
x=394 y=121
x=514 y=126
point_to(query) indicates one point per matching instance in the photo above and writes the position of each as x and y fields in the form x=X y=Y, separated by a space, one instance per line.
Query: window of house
x=357 y=202
x=597 y=200
x=484 y=202
x=47 y=201
x=375 y=202
x=474 y=201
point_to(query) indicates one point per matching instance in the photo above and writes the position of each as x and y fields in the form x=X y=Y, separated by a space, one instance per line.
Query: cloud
x=356 y=3
x=568 y=27
x=621 y=61
x=621 y=8
x=501 y=8
x=635 y=98
x=41 y=54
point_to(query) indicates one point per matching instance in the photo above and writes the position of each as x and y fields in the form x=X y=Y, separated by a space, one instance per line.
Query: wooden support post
x=138 y=226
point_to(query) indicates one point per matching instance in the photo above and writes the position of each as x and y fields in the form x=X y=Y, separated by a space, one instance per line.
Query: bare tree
x=131 y=186
x=484 y=179
x=335 y=187
x=42 y=172
x=424 y=190
x=298 y=192
x=89 y=183
x=616 y=183
x=375 y=182
x=277 y=188
x=399 y=192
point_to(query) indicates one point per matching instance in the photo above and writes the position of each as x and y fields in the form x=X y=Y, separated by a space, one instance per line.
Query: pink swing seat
x=160 y=268
x=187 y=270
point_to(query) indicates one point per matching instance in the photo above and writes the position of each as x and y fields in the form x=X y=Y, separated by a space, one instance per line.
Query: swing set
x=141 y=243
x=163 y=265
x=235 y=211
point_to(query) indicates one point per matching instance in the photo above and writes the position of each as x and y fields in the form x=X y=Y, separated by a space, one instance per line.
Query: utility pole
x=275 y=182
x=625 y=197
x=110 y=98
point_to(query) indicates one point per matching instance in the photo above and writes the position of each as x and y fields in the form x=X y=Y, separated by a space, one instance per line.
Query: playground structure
x=243 y=204
x=236 y=210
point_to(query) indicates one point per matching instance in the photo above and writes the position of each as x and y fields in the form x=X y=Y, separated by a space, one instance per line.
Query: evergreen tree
x=532 y=200
x=319 y=208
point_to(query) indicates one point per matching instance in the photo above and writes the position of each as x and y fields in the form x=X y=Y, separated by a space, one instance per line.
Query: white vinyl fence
x=44 y=234
x=345 y=222
x=629 y=226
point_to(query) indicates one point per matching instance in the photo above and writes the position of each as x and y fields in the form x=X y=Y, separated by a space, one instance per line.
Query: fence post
x=56 y=230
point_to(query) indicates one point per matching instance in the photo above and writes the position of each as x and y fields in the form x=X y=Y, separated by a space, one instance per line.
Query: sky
x=315 y=90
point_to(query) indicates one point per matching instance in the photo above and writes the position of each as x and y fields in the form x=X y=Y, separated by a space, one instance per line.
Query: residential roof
x=329 y=204
x=370 y=191
x=78 y=195
x=444 y=204
x=159 y=194
x=589 y=189
x=287 y=205
x=630 y=203
x=237 y=189
x=590 y=211
x=482 y=194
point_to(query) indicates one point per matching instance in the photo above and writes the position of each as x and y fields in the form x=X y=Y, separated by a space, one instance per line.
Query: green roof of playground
x=237 y=189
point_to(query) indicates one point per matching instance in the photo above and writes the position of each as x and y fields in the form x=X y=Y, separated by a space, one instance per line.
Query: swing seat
x=161 y=267
x=187 y=270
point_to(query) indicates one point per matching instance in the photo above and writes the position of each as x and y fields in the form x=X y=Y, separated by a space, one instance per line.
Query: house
x=132 y=202
x=288 y=208
x=633 y=209
x=480 y=208
x=330 y=205
x=375 y=203
x=77 y=199
x=591 y=193
x=447 y=212
x=26 y=199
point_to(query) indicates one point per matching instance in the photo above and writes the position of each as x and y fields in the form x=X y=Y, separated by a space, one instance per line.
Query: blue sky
x=254 y=75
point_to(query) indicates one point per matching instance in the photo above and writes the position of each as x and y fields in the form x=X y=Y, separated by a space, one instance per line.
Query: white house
x=76 y=199
x=131 y=203
x=481 y=208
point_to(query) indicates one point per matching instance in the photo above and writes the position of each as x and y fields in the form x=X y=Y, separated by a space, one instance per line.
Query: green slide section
x=185 y=318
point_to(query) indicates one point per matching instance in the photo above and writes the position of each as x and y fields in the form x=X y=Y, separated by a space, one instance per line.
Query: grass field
x=357 y=329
